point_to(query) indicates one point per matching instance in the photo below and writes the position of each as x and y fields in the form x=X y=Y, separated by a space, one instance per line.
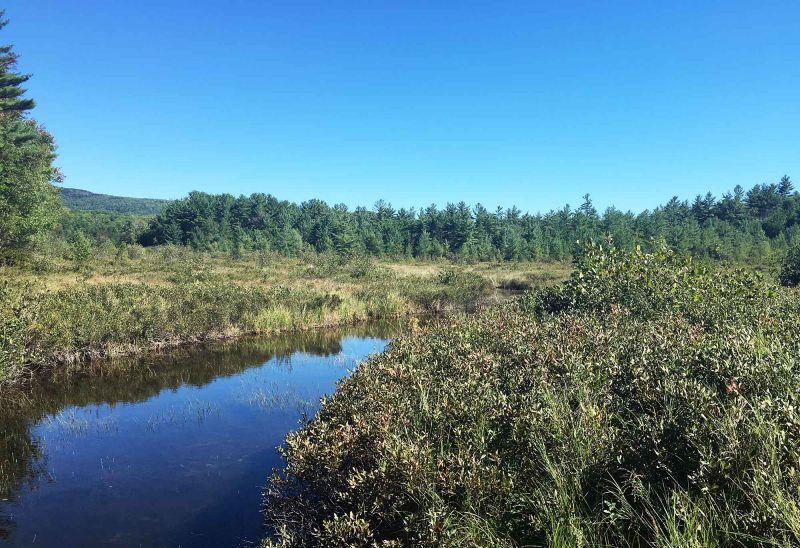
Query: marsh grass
x=647 y=401
x=269 y=396
x=191 y=411
x=74 y=423
x=158 y=298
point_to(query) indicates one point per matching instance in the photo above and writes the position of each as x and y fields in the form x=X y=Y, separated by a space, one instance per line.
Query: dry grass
x=535 y=273
x=155 y=266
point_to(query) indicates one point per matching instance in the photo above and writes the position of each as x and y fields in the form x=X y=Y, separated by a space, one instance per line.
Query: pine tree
x=11 y=99
x=785 y=187
x=28 y=201
x=424 y=246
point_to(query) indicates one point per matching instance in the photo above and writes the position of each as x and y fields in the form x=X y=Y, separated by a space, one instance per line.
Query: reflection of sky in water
x=184 y=466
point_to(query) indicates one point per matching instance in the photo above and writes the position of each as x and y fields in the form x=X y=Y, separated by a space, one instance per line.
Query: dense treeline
x=100 y=227
x=739 y=226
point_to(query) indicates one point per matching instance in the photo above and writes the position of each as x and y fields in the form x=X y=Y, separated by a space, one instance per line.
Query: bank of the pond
x=66 y=328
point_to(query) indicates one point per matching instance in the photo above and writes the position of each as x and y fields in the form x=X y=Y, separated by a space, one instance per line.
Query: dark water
x=168 y=451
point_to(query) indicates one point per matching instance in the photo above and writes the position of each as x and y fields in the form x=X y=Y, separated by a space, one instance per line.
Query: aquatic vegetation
x=271 y=396
x=648 y=401
x=192 y=410
x=71 y=422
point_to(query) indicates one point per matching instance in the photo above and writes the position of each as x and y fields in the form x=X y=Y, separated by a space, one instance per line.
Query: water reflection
x=166 y=450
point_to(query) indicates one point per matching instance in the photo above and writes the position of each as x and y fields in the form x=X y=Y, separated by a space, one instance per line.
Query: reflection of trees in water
x=21 y=458
x=133 y=380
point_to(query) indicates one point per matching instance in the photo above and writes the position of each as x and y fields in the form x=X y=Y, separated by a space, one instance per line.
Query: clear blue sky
x=503 y=103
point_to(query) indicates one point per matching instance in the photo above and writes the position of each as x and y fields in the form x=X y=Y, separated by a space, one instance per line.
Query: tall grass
x=199 y=300
x=648 y=401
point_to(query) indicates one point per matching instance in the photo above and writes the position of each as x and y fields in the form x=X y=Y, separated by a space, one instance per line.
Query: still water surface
x=165 y=451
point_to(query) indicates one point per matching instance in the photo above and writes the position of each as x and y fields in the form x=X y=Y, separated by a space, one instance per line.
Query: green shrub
x=648 y=284
x=515 y=284
x=12 y=328
x=135 y=251
x=646 y=402
x=364 y=268
x=80 y=249
x=790 y=271
x=448 y=289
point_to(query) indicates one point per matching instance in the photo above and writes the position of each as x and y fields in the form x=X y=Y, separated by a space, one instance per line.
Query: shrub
x=648 y=284
x=515 y=284
x=647 y=401
x=790 y=272
x=135 y=251
x=80 y=249
x=12 y=327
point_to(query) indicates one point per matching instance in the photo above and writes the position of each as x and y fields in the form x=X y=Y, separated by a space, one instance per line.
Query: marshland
x=249 y=353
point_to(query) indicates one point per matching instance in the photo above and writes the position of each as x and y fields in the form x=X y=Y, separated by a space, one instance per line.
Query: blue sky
x=503 y=103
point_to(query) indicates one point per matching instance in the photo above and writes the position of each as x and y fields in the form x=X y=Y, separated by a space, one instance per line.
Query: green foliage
x=11 y=94
x=99 y=226
x=790 y=271
x=463 y=280
x=740 y=226
x=647 y=402
x=12 y=328
x=69 y=324
x=28 y=203
x=80 y=248
x=647 y=284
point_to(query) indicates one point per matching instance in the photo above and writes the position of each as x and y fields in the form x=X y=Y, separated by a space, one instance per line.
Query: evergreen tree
x=785 y=186
x=424 y=245
x=11 y=94
x=28 y=202
x=740 y=226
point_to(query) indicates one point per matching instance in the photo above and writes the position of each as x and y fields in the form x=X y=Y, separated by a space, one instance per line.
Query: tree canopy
x=739 y=226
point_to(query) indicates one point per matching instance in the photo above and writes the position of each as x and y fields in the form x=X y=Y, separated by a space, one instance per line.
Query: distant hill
x=75 y=198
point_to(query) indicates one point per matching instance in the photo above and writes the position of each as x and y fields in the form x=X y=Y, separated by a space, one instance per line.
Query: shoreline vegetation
x=647 y=401
x=156 y=299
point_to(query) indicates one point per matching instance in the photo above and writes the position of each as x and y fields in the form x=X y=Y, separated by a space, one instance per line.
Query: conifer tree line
x=739 y=226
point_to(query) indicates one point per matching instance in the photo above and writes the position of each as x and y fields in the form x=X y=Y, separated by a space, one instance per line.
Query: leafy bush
x=449 y=289
x=790 y=272
x=12 y=327
x=648 y=284
x=330 y=265
x=647 y=401
x=81 y=249
x=515 y=284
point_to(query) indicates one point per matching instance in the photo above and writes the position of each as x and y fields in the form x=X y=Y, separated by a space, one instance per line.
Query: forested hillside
x=74 y=198
x=742 y=225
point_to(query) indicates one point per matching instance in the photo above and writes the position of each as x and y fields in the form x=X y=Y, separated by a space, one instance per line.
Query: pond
x=171 y=450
